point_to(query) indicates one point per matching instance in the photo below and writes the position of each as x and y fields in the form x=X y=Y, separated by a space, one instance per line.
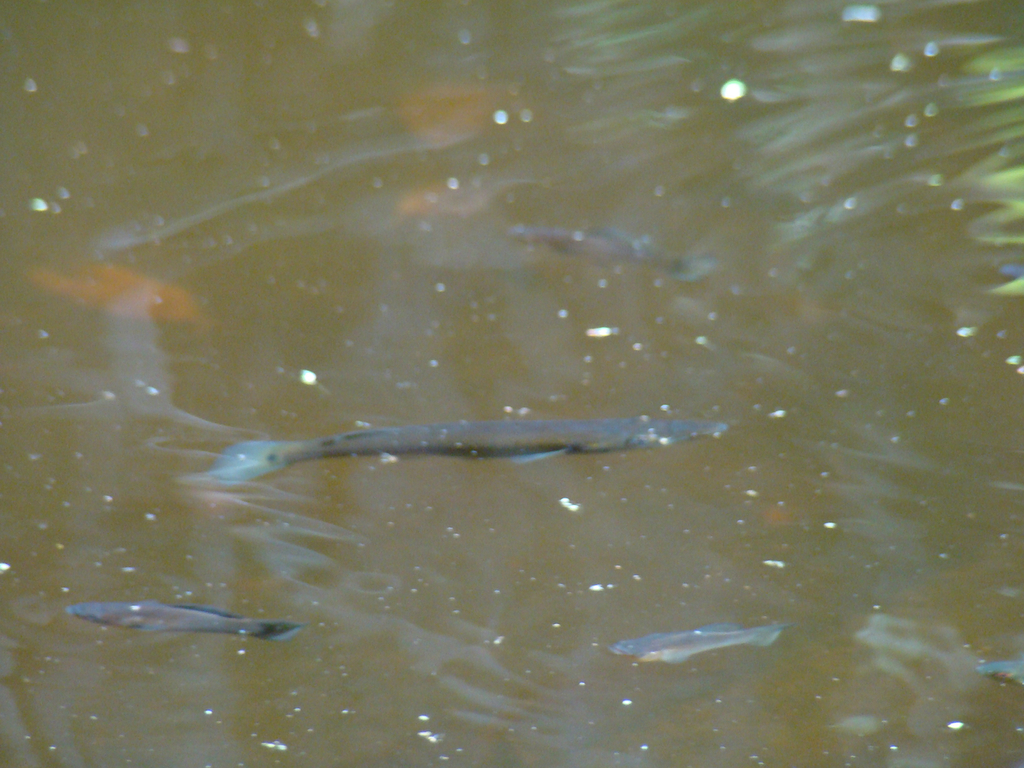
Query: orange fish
x=440 y=200
x=446 y=113
x=123 y=293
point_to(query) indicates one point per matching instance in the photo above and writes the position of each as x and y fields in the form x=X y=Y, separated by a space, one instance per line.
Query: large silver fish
x=158 y=617
x=522 y=440
x=675 y=647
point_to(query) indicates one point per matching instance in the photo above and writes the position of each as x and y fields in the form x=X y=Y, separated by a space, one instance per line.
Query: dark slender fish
x=520 y=440
x=1008 y=671
x=158 y=617
x=613 y=245
x=675 y=647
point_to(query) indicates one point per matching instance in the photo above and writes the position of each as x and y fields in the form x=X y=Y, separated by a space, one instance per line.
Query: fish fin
x=723 y=627
x=670 y=655
x=768 y=635
x=277 y=630
x=208 y=609
x=526 y=458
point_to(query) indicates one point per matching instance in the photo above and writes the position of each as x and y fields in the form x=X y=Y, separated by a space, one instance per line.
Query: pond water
x=227 y=221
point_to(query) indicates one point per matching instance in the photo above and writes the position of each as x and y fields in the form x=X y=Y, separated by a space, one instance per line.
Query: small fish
x=603 y=244
x=518 y=440
x=123 y=293
x=157 y=617
x=675 y=647
x=1007 y=671
x=613 y=245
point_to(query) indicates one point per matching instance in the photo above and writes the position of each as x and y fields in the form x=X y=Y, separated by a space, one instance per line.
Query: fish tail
x=277 y=630
x=249 y=460
x=768 y=635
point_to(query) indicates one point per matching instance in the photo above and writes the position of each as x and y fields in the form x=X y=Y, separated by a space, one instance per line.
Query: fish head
x=249 y=460
x=636 y=648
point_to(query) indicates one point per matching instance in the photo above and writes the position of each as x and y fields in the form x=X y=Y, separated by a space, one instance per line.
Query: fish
x=1007 y=671
x=607 y=245
x=154 y=616
x=675 y=647
x=123 y=292
x=518 y=440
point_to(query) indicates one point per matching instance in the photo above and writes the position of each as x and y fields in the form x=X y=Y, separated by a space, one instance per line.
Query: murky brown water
x=205 y=203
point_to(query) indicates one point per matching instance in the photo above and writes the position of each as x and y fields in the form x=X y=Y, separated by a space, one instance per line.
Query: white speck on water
x=424 y=718
x=956 y=725
x=775 y=563
x=602 y=332
x=733 y=90
x=830 y=525
x=5 y=567
x=900 y=63
x=596 y=588
x=307 y=376
x=777 y=414
x=30 y=85
x=38 y=204
x=626 y=702
x=275 y=745
x=178 y=45
x=501 y=117
x=568 y=504
x=966 y=331
x=439 y=287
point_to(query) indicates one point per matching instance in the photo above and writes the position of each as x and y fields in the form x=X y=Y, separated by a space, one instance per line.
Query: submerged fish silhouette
x=609 y=245
x=519 y=440
x=675 y=647
x=153 y=616
x=1009 y=671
